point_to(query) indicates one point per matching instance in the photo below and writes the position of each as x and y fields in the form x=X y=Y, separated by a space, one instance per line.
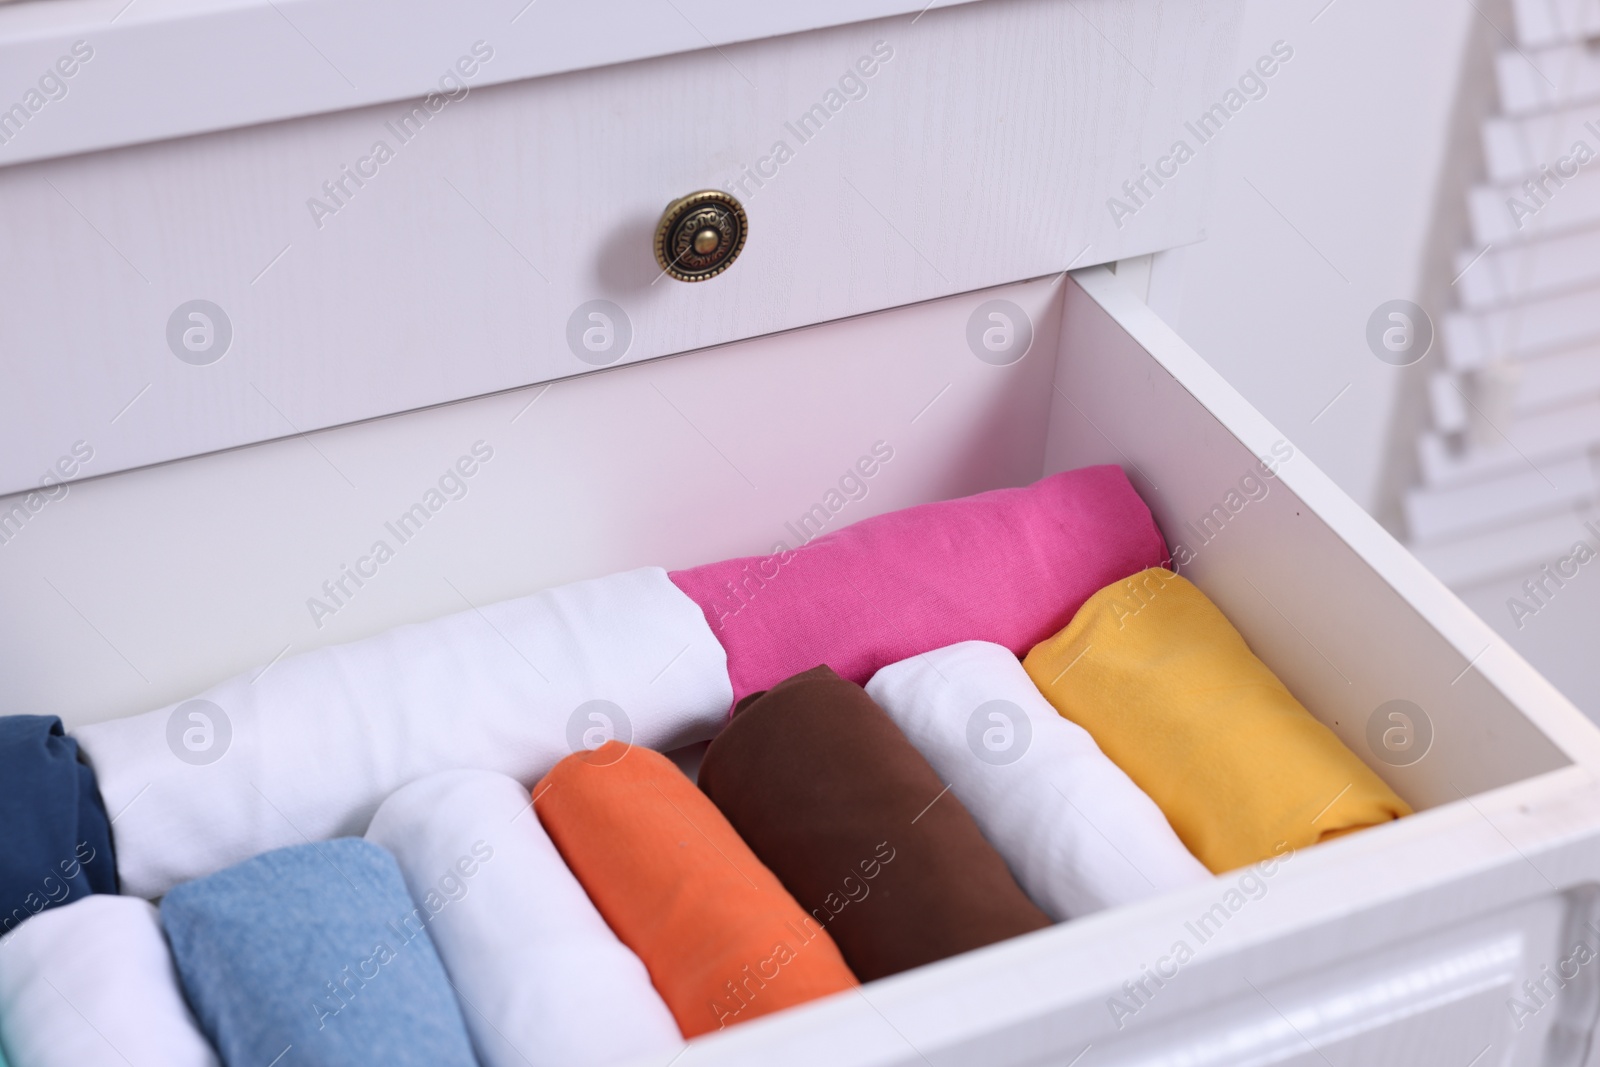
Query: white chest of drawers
x=972 y=153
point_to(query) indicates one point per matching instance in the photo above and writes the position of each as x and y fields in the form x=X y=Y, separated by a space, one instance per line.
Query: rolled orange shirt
x=723 y=940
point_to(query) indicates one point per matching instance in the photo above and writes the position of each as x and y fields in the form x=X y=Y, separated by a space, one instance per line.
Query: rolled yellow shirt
x=1170 y=691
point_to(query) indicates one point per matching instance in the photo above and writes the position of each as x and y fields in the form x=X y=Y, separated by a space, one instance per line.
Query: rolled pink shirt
x=1011 y=566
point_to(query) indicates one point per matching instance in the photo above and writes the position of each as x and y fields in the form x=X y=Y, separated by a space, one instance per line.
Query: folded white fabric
x=308 y=748
x=543 y=982
x=1074 y=829
x=91 y=984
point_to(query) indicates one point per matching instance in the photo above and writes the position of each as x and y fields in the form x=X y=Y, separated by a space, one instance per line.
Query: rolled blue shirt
x=57 y=837
x=314 y=955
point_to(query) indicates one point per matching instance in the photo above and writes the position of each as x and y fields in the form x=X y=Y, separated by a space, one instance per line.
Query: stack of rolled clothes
x=461 y=843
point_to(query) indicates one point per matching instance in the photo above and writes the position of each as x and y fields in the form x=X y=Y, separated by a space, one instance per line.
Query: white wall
x=1352 y=146
x=1347 y=147
x=1559 y=637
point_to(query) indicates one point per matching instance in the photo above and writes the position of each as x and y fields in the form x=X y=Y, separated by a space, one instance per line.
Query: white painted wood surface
x=1531 y=327
x=1523 y=492
x=1556 y=380
x=1517 y=148
x=1508 y=273
x=1531 y=79
x=1450 y=989
x=1509 y=459
x=1573 y=206
x=1447 y=403
x=982 y=150
x=1547 y=22
x=171 y=68
x=1533 y=439
x=1520 y=549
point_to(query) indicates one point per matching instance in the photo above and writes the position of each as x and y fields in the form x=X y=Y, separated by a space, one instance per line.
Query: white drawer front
x=202 y=66
x=379 y=260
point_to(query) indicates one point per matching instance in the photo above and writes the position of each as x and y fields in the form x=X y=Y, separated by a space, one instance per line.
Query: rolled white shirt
x=542 y=980
x=310 y=748
x=92 y=984
x=1075 y=830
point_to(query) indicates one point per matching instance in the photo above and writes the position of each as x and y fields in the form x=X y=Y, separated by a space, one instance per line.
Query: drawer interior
x=142 y=588
x=147 y=586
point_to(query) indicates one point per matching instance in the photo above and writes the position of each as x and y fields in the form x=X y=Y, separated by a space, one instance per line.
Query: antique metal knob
x=700 y=235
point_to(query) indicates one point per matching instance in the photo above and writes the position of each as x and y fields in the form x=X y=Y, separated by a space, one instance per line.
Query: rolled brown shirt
x=834 y=799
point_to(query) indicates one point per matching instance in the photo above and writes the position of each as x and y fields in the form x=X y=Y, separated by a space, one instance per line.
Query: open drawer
x=425 y=313
x=1443 y=937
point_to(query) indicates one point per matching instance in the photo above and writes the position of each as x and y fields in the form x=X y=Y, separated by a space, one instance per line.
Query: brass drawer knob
x=700 y=235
